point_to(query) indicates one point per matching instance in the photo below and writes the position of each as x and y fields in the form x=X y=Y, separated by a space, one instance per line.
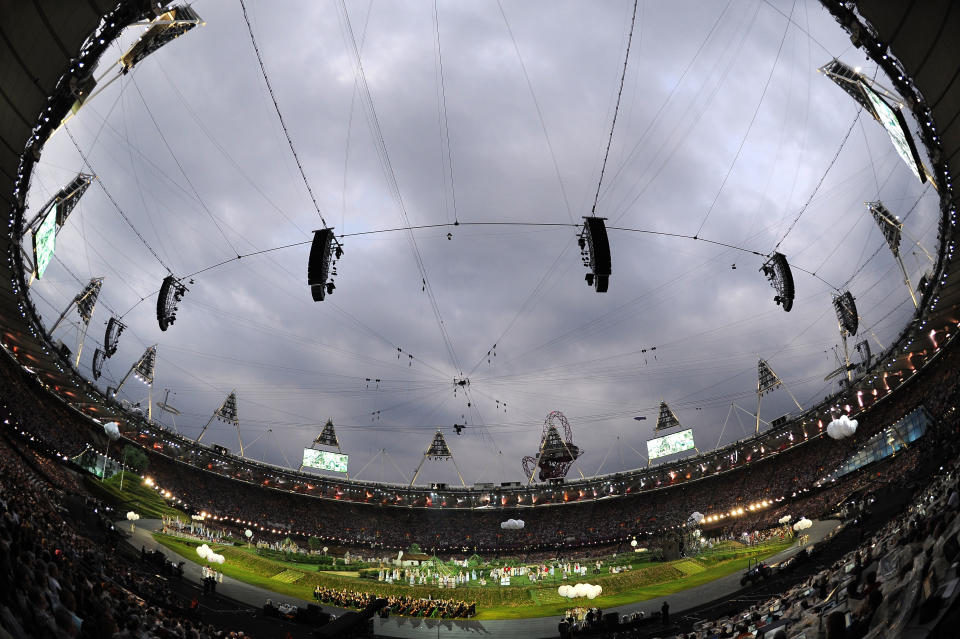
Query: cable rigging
x=276 y=107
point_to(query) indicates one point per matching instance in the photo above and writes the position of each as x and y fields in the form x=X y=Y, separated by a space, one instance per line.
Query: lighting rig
x=85 y=302
x=849 y=321
x=143 y=369
x=227 y=413
x=171 y=292
x=767 y=382
x=595 y=252
x=322 y=267
x=777 y=271
x=892 y=229
x=438 y=449
x=111 y=336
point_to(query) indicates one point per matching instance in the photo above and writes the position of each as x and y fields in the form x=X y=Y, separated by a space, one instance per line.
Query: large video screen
x=325 y=460
x=670 y=444
x=896 y=126
x=44 y=241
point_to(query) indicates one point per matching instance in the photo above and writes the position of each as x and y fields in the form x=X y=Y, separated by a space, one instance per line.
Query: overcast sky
x=725 y=128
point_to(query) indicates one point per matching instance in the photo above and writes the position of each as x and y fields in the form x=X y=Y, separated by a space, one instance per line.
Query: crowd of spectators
x=59 y=574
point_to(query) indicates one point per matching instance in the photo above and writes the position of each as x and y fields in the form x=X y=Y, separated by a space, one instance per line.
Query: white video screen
x=325 y=460
x=670 y=444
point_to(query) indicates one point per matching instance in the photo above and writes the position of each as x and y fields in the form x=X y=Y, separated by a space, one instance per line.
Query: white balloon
x=842 y=427
x=803 y=524
x=633 y=542
x=112 y=430
x=248 y=533
x=785 y=519
x=132 y=516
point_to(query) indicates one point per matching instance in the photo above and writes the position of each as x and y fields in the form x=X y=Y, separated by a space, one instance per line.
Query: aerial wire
x=753 y=119
x=536 y=104
x=616 y=108
x=276 y=107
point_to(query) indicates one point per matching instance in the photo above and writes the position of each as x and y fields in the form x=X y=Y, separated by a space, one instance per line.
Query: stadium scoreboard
x=44 y=241
x=670 y=444
x=325 y=460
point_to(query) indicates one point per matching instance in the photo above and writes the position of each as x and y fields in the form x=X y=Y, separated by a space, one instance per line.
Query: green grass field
x=646 y=581
x=135 y=496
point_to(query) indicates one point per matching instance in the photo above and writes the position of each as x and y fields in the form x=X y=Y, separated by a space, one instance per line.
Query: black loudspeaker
x=318 y=268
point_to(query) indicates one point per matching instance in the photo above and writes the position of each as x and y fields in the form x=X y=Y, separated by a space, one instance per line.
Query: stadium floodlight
x=438 y=449
x=171 y=292
x=85 y=301
x=846 y=309
x=98 y=357
x=324 y=253
x=850 y=80
x=892 y=229
x=226 y=412
x=164 y=29
x=111 y=336
x=315 y=457
x=64 y=201
x=777 y=271
x=667 y=418
x=767 y=382
x=328 y=437
x=145 y=368
x=595 y=252
x=890 y=225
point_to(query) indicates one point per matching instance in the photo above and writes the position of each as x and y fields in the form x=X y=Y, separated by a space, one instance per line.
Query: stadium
x=248 y=452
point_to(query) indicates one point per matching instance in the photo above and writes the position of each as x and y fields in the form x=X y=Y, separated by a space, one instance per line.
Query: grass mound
x=135 y=496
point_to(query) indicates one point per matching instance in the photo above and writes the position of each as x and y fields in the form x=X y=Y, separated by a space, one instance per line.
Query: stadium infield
x=535 y=620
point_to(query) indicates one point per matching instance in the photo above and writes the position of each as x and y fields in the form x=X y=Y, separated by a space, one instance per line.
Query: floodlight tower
x=767 y=382
x=848 y=321
x=85 y=302
x=438 y=449
x=226 y=413
x=64 y=201
x=892 y=229
x=143 y=369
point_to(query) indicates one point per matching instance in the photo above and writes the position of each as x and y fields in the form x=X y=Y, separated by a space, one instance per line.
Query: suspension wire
x=536 y=104
x=753 y=119
x=393 y=185
x=126 y=219
x=445 y=135
x=822 y=178
x=183 y=172
x=276 y=108
x=616 y=108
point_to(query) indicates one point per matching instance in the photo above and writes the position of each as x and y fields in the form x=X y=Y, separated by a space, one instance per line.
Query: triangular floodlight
x=667 y=418
x=87 y=299
x=850 y=80
x=228 y=410
x=146 y=365
x=438 y=449
x=767 y=380
x=890 y=225
x=327 y=437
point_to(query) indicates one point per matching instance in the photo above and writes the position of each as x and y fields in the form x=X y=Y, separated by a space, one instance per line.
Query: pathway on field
x=413 y=627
